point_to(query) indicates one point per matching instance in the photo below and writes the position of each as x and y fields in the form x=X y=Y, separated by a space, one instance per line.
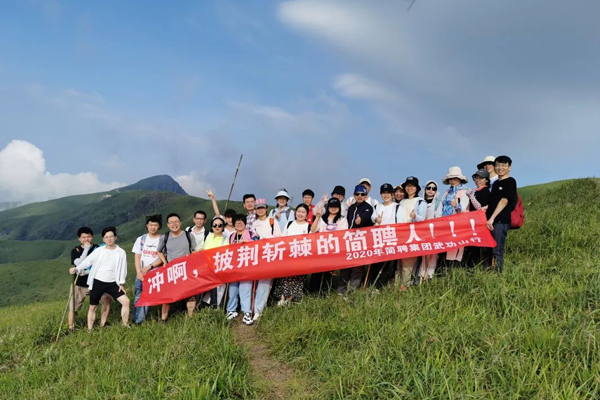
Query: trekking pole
x=71 y=298
x=379 y=274
x=367 y=277
x=233 y=183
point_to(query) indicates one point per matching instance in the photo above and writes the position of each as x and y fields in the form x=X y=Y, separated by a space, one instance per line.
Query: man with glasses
x=198 y=230
x=359 y=216
x=107 y=275
x=175 y=244
x=366 y=183
x=502 y=202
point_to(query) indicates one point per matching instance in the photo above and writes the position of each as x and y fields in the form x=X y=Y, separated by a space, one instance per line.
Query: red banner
x=311 y=253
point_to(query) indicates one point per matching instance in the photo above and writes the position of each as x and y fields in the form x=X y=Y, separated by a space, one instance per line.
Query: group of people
x=101 y=271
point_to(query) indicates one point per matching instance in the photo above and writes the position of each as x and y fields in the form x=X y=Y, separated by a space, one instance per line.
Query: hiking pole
x=71 y=297
x=233 y=183
x=367 y=277
x=385 y=263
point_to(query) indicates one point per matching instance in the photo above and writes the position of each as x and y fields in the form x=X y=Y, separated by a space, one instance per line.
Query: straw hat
x=454 y=172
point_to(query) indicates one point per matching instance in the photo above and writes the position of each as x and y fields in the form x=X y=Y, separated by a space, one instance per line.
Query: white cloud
x=358 y=87
x=194 y=183
x=24 y=178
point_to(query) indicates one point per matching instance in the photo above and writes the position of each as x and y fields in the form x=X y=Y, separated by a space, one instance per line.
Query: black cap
x=333 y=202
x=339 y=190
x=309 y=193
x=386 y=188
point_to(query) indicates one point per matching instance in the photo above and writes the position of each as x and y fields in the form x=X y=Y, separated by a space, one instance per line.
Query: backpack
x=206 y=231
x=517 y=216
x=187 y=236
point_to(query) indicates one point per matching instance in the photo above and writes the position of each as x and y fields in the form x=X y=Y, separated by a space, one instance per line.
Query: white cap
x=283 y=193
x=365 y=180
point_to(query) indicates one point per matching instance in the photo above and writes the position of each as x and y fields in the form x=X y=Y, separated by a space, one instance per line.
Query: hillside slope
x=532 y=332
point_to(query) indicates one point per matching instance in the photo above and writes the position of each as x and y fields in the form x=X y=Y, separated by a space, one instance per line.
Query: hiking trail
x=281 y=380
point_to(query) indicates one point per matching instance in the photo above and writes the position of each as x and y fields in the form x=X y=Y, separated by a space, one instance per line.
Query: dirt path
x=280 y=380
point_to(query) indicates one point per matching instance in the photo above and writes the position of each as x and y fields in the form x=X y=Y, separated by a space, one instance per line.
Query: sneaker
x=247 y=319
x=256 y=317
x=281 y=303
x=232 y=315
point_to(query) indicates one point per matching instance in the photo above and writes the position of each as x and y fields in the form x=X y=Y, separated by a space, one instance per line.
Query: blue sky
x=313 y=93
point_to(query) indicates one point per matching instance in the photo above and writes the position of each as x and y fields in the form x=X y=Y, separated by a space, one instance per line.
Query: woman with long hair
x=291 y=288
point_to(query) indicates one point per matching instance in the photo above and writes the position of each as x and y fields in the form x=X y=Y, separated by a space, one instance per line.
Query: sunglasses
x=217 y=225
x=431 y=188
x=360 y=194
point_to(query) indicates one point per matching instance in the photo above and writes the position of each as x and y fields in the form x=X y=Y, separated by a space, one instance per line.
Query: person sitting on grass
x=107 y=276
x=81 y=290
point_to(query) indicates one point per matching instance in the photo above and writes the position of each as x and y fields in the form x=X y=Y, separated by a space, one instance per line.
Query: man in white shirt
x=145 y=249
x=198 y=230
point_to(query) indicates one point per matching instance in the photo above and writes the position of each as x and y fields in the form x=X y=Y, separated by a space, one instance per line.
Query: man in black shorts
x=78 y=254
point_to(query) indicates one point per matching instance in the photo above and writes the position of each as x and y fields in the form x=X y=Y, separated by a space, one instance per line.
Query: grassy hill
x=532 y=332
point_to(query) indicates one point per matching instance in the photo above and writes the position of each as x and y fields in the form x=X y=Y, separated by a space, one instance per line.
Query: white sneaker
x=256 y=317
x=232 y=315
x=281 y=303
x=247 y=319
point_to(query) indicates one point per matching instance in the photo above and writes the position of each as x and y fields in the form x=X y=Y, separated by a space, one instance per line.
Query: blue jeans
x=139 y=313
x=499 y=233
x=244 y=291
x=262 y=293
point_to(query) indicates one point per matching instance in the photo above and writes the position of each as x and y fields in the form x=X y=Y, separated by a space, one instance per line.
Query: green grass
x=185 y=359
x=532 y=332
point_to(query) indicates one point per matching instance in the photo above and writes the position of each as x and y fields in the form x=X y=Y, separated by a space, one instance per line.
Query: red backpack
x=517 y=216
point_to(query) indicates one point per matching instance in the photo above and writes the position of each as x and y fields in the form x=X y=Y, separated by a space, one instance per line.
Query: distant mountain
x=159 y=182
x=7 y=205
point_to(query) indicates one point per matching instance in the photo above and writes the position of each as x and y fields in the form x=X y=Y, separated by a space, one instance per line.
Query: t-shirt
x=198 y=236
x=264 y=230
x=75 y=254
x=503 y=189
x=408 y=206
x=340 y=225
x=482 y=196
x=213 y=241
x=149 y=252
x=389 y=213
x=296 y=229
x=176 y=246
x=107 y=270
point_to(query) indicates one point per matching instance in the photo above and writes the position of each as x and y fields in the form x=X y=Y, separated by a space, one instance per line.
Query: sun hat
x=360 y=189
x=386 y=188
x=411 y=180
x=399 y=186
x=260 y=203
x=482 y=173
x=454 y=172
x=283 y=193
x=367 y=180
x=486 y=160
x=339 y=190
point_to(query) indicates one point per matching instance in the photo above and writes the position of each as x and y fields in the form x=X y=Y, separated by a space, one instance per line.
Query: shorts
x=80 y=294
x=100 y=288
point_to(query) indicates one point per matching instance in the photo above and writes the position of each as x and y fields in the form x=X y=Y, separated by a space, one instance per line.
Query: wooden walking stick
x=233 y=183
x=367 y=277
x=71 y=299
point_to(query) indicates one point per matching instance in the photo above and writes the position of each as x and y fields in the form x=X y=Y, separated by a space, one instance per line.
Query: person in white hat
x=366 y=182
x=282 y=213
x=454 y=201
x=488 y=164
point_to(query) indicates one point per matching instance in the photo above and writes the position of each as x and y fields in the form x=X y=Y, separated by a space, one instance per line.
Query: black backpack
x=187 y=236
